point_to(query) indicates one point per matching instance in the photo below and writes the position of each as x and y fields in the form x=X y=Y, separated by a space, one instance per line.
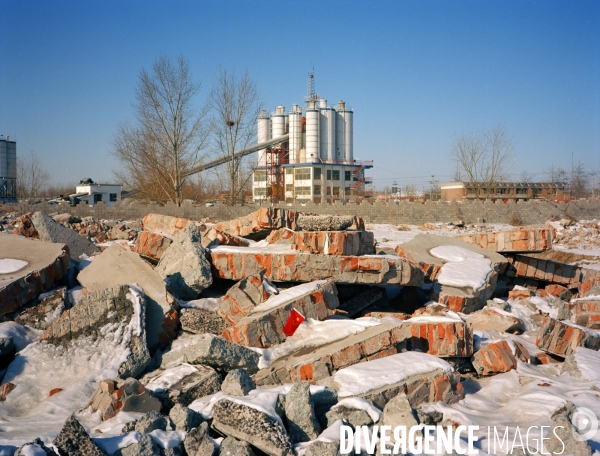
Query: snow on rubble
x=517 y=351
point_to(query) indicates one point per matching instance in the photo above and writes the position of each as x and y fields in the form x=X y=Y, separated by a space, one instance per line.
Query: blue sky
x=416 y=73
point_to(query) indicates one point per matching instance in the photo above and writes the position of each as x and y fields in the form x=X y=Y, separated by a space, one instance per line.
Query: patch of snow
x=167 y=439
x=22 y=336
x=170 y=377
x=362 y=404
x=77 y=367
x=331 y=434
x=544 y=306
x=10 y=265
x=111 y=445
x=256 y=247
x=54 y=315
x=463 y=268
x=587 y=363
x=270 y=288
x=210 y=304
x=448 y=317
x=33 y=450
x=84 y=261
x=314 y=333
x=75 y=295
x=288 y=295
x=364 y=377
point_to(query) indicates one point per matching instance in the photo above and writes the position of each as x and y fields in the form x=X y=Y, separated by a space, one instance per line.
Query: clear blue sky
x=415 y=72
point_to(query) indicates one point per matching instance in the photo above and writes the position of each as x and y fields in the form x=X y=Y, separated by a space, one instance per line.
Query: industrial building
x=315 y=160
x=91 y=193
x=459 y=191
x=8 y=170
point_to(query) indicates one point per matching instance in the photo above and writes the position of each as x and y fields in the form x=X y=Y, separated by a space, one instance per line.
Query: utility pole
x=433 y=188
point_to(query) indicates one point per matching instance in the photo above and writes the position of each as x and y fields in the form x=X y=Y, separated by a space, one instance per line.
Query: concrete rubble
x=242 y=366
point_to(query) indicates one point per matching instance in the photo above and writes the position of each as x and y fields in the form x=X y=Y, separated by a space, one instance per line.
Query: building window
x=302 y=191
x=336 y=191
x=348 y=191
x=260 y=176
x=260 y=191
x=335 y=175
x=302 y=173
x=288 y=170
x=113 y=197
x=97 y=197
x=317 y=173
x=317 y=190
x=289 y=187
x=521 y=191
x=347 y=175
x=328 y=174
x=328 y=190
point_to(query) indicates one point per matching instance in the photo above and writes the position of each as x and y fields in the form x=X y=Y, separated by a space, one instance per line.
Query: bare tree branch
x=169 y=135
x=32 y=178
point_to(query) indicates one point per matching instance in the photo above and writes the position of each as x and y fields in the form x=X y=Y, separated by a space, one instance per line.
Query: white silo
x=328 y=124
x=340 y=132
x=278 y=122
x=349 y=120
x=263 y=136
x=3 y=160
x=295 y=127
x=11 y=159
x=312 y=133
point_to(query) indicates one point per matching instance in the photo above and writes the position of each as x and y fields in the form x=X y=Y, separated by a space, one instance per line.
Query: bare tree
x=32 y=178
x=169 y=134
x=236 y=106
x=525 y=176
x=483 y=156
x=556 y=174
x=579 y=181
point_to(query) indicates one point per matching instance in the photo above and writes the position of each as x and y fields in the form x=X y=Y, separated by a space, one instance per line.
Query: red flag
x=293 y=322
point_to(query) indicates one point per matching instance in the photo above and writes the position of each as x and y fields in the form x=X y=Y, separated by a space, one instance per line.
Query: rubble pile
x=265 y=334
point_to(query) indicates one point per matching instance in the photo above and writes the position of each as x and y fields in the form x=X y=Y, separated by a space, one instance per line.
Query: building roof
x=505 y=184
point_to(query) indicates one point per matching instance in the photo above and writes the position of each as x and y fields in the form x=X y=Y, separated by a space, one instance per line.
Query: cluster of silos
x=327 y=136
x=8 y=168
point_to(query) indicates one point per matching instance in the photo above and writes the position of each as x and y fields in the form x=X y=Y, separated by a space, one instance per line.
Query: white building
x=91 y=193
x=316 y=162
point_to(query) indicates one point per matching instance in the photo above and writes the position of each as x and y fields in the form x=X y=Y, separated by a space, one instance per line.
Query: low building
x=91 y=193
x=459 y=191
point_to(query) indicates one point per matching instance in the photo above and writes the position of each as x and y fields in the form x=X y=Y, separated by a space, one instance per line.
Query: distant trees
x=235 y=104
x=483 y=156
x=32 y=178
x=169 y=134
x=576 y=181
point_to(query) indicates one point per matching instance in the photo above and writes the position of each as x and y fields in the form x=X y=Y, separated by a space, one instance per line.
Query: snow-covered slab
x=365 y=377
x=28 y=267
x=463 y=268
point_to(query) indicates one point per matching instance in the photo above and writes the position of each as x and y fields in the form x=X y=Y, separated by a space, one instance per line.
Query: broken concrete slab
x=198 y=443
x=494 y=358
x=49 y=307
x=116 y=266
x=522 y=240
x=164 y=224
x=74 y=440
x=560 y=338
x=100 y=308
x=422 y=377
x=200 y=321
x=151 y=245
x=195 y=382
x=252 y=426
x=243 y=297
x=546 y=270
x=324 y=222
x=236 y=263
x=51 y=231
x=497 y=320
x=300 y=414
x=342 y=243
x=215 y=352
x=460 y=299
x=259 y=224
x=263 y=326
x=45 y=264
x=237 y=383
x=184 y=265
x=183 y=418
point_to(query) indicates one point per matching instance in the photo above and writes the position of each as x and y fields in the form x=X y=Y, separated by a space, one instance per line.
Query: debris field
x=267 y=333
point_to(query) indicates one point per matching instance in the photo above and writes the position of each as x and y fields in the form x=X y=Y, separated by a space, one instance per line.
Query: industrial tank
x=340 y=132
x=278 y=122
x=295 y=127
x=349 y=120
x=312 y=133
x=327 y=134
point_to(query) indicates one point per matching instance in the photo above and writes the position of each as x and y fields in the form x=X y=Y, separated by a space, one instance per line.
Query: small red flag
x=293 y=322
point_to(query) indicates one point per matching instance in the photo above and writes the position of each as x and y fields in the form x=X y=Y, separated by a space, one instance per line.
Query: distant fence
x=529 y=212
